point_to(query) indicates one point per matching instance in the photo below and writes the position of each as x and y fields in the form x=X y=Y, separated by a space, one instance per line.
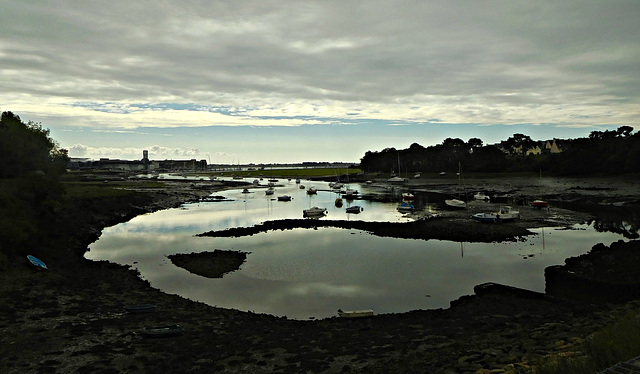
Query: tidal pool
x=304 y=273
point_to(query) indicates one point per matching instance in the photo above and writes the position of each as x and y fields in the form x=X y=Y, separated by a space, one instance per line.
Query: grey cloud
x=253 y=53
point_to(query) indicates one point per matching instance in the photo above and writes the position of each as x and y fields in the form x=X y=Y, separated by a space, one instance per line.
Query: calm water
x=311 y=273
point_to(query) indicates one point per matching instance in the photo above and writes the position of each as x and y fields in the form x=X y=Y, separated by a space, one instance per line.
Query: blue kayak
x=37 y=262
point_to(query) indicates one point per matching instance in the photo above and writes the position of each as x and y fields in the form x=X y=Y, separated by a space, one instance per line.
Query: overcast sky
x=291 y=81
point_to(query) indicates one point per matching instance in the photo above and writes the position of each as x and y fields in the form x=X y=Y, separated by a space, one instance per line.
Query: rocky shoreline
x=72 y=318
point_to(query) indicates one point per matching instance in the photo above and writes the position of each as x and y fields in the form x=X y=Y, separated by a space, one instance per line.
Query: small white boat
x=314 y=212
x=481 y=196
x=355 y=209
x=355 y=313
x=456 y=204
x=397 y=180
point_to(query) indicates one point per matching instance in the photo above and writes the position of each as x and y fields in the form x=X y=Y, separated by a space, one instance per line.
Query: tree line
x=602 y=152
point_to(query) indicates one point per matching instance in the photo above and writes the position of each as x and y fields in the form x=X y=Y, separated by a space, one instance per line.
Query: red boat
x=539 y=204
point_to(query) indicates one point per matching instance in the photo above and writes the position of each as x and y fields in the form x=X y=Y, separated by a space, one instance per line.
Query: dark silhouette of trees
x=31 y=164
x=607 y=152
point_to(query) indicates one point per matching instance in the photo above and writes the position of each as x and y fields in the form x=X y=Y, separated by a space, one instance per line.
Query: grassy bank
x=616 y=343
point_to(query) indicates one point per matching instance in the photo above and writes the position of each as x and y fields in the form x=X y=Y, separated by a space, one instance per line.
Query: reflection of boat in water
x=405 y=208
x=355 y=209
x=505 y=214
x=284 y=198
x=314 y=212
x=455 y=204
x=355 y=313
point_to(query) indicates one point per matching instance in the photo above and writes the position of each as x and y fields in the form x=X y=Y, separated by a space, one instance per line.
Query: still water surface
x=311 y=273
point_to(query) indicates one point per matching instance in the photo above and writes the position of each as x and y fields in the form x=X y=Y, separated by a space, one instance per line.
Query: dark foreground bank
x=72 y=318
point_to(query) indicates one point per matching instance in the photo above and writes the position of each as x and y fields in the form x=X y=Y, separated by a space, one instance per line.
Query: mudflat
x=72 y=318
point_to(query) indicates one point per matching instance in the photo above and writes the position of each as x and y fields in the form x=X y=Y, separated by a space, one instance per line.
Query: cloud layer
x=126 y=64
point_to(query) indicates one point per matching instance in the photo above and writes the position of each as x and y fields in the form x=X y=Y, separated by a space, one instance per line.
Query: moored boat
x=355 y=313
x=481 y=196
x=455 y=204
x=407 y=196
x=505 y=214
x=311 y=191
x=539 y=204
x=162 y=331
x=405 y=208
x=314 y=212
x=284 y=198
x=354 y=209
x=39 y=264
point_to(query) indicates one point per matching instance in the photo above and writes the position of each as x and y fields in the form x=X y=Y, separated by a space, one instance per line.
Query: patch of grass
x=616 y=343
x=95 y=189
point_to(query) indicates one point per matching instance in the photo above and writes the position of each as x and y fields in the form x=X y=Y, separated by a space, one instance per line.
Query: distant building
x=534 y=151
x=143 y=165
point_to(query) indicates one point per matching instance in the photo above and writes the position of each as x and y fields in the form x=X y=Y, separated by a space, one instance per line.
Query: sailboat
x=397 y=179
x=457 y=203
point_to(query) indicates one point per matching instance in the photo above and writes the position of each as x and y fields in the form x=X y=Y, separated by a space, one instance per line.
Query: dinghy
x=37 y=263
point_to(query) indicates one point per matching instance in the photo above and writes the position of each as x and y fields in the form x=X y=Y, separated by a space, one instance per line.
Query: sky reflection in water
x=302 y=273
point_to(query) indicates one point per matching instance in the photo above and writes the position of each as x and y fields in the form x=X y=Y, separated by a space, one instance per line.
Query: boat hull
x=355 y=313
x=37 y=263
x=455 y=204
